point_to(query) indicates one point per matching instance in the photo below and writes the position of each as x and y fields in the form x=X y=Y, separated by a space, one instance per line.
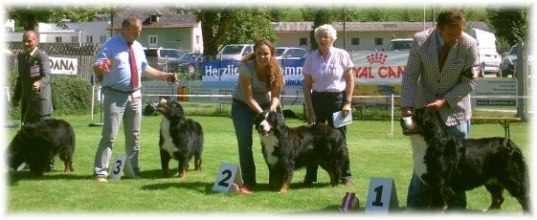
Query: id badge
x=35 y=71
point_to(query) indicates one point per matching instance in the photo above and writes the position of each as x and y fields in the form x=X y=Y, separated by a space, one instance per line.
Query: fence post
x=392 y=115
x=522 y=76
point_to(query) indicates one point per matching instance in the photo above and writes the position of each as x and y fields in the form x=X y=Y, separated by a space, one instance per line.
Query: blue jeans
x=243 y=121
x=324 y=105
x=417 y=192
x=118 y=107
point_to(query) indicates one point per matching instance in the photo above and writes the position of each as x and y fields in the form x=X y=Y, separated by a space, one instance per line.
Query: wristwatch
x=346 y=102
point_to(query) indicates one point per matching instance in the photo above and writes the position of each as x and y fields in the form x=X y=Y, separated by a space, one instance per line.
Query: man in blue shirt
x=118 y=63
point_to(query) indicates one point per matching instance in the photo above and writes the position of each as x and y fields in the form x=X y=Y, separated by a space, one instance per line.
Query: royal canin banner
x=379 y=67
x=370 y=68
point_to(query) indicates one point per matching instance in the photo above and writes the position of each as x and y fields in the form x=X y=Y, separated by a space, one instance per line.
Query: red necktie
x=443 y=55
x=134 y=69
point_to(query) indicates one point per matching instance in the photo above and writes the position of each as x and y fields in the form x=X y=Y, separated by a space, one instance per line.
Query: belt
x=124 y=92
x=328 y=91
x=132 y=95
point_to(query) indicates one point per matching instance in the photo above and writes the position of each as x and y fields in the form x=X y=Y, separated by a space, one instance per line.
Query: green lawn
x=372 y=153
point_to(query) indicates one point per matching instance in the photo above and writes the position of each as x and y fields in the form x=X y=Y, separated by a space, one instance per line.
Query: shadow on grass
x=206 y=187
x=14 y=177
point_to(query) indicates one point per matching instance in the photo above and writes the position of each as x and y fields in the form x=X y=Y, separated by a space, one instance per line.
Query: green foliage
x=233 y=25
x=322 y=16
x=70 y=95
x=510 y=24
x=29 y=16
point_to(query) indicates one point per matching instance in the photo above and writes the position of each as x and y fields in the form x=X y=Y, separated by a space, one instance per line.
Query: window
x=379 y=41
x=58 y=39
x=355 y=41
x=89 y=39
x=74 y=39
x=303 y=41
x=153 y=39
x=103 y=39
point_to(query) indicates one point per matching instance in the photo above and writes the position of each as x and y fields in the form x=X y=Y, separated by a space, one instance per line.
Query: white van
x=488 y=55
x=234 y=51
x=400 y=44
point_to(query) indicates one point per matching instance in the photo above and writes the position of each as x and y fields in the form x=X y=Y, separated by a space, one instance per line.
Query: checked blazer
x=423 y=82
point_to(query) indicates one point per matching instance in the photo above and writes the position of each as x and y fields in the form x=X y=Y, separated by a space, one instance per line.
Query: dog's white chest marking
x=265 y=126
x=167 y=144
x=269 y=145
x=419 y=149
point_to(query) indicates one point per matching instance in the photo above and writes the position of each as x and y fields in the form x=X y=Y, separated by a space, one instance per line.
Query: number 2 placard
x=228 y=178
x=381 y=196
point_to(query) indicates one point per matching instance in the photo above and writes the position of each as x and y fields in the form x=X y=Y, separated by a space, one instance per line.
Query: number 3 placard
x=121 y=164
x=228 y=178
x=381 y=196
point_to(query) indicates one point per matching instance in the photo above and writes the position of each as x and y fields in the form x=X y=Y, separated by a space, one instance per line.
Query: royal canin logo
x=378 y=58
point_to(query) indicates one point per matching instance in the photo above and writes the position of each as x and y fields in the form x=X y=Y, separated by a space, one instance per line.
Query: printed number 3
x=118 y=167
x=227 y=176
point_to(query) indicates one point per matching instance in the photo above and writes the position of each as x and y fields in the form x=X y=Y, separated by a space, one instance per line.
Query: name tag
x=35 y=71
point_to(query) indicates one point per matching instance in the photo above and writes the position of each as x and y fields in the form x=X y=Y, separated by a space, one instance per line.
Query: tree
x=322 y=16
x=510 y=24
x=377 y=14
x=28 y=17
x=233 y=25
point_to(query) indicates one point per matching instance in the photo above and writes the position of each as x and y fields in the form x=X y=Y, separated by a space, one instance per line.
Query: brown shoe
x=348 y=182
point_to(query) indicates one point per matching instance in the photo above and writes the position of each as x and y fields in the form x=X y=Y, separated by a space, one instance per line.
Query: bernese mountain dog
x=286 y=149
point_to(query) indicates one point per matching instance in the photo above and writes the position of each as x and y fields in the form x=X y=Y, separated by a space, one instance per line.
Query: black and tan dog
x=37 y=143
x=455 y=164
x=286 y=149
x=180 y=138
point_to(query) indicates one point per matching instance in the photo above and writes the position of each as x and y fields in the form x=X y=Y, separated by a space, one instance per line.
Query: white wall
x=49 y=31
x=367 y=39
x=197 y=46
x=94 y=29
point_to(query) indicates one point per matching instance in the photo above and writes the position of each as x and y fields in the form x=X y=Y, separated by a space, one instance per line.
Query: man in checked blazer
x=33 y=83
x=426 y=82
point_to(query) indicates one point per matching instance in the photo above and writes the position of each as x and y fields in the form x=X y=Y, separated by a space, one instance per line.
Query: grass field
x=372 y=153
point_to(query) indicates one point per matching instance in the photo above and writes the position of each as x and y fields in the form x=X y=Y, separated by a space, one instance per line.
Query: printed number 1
x=118 y=167
x=377 y=201
x=227 y=176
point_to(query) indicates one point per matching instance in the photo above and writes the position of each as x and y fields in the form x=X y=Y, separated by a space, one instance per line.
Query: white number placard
x=381 y=196
x=121 y=165
x=228 y=178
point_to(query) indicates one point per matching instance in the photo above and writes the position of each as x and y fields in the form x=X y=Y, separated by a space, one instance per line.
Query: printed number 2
x=118 y=167
x=227 y=176
x=377 y=201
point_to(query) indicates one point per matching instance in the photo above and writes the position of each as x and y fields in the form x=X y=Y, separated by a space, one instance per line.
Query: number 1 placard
x=381 y=196
x=228 y=178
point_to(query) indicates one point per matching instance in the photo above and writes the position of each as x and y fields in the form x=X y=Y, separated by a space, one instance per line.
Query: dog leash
x=32 y=96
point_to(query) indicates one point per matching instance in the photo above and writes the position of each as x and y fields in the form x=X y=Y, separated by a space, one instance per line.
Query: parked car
x=400 y=44
x=488 y=54
x=508 y=65
x=234 y=51
x=160 y=58
x=294 y=53
x=189 y=63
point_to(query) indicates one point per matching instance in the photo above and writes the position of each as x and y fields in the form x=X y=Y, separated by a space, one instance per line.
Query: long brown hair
x=274 y=70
